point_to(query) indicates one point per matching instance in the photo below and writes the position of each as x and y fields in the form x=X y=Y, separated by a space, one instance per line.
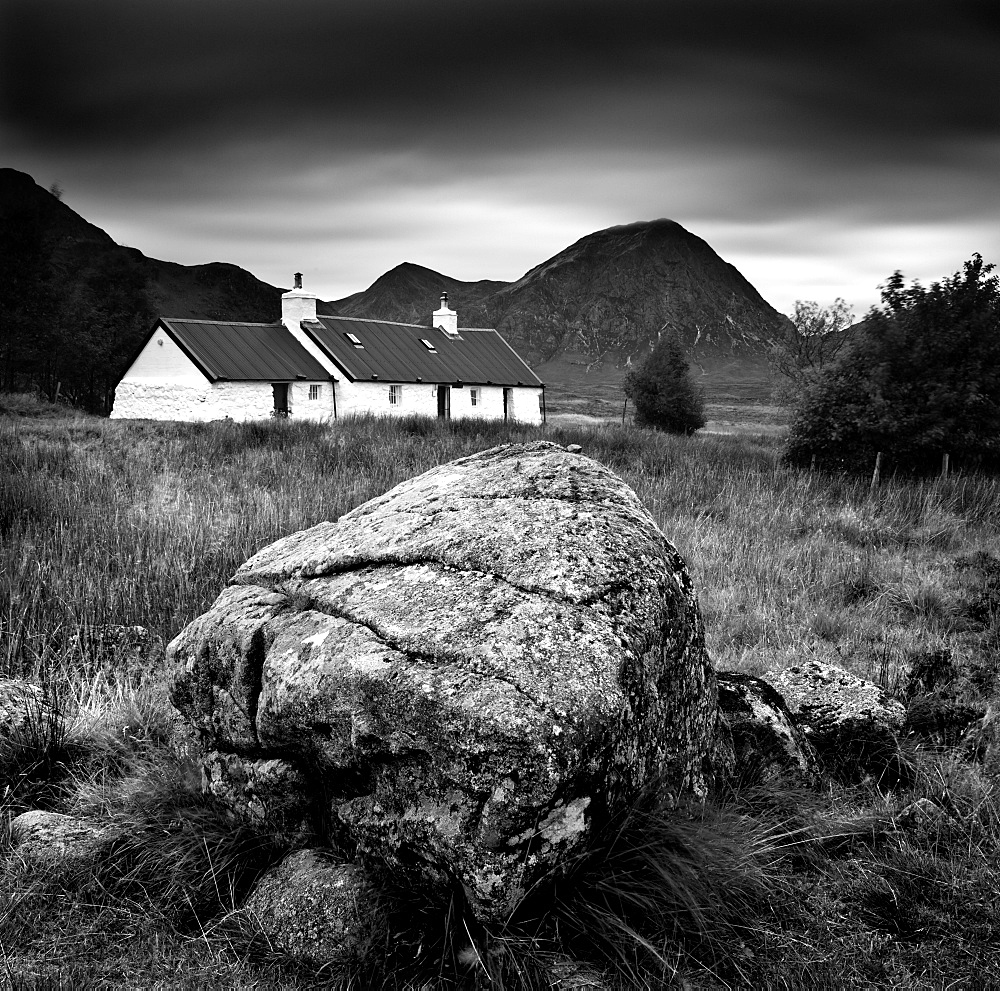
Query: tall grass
x=112 y=523
x=117 y=523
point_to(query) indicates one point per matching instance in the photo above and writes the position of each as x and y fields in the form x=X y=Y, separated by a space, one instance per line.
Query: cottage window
x=314 y=391
x=474 y=396
x=395 y=395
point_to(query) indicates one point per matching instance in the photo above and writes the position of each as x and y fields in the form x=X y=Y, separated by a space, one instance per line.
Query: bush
x=663 y=391
x=921 y=380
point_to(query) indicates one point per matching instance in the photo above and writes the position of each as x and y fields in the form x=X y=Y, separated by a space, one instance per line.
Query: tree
x=811 y=341
x=663 y=392
x=921 y=379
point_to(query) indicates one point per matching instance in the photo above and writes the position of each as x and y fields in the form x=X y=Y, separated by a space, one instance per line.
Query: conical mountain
x=613 y=292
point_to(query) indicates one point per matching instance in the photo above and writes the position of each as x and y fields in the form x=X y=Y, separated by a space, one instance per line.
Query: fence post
x=625 y=407
x=944 y=465
x=877 y=471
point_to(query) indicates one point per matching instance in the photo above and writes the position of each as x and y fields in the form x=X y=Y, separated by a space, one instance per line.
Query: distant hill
x=217 y=290
x=411 y=292
x=583 y=315
x=609 y=294
x=75 y=304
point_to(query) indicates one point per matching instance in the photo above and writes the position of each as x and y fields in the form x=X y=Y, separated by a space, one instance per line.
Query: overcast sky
x=817 y=146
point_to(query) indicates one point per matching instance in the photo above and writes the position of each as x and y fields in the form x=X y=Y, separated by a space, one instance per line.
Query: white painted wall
x=304 y=408
x=138 y=399
x=358 y=398
x=161 y=360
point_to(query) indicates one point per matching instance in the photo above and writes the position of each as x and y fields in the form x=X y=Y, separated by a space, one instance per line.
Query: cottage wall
x=139 y=399
x=162 y=360
x=420 y=399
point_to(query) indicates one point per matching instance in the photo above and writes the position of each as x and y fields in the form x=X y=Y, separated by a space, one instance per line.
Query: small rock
x=923 y=812
x=19 y=703
x=314 y=908
x=767 y=744
x=574 y=448
x=853 y=724
x=267 y=792
x=566 y=974
x=50 y=839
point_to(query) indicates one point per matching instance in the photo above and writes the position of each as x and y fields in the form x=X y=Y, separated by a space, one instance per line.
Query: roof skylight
x=355 y=340
x=427 y=344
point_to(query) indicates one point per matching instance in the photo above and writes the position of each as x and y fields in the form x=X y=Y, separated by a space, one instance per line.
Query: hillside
x=75 y=305
x=411 y=292
x=583 y=315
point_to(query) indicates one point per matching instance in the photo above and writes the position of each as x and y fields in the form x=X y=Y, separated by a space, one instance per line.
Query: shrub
x=663 y=392
x=921 y=380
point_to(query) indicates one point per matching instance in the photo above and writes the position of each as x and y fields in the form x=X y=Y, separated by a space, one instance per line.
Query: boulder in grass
x=767 y=744
x=55 y=841
x=468 y=671
x=20 y=703
x=314 y=908
x=853 y=724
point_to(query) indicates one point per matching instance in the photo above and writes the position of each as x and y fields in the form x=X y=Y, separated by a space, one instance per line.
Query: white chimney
x=445 y=318
x=296 y=306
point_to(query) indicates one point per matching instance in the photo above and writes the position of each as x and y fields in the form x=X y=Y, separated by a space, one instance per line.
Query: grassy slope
x=110 y=522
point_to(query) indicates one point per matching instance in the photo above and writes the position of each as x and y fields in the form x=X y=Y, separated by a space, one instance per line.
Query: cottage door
x=280 y=390
x=444 y=402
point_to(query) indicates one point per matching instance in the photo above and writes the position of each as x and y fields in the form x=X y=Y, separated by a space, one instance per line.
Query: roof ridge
x=394 y=323
x=225 y=323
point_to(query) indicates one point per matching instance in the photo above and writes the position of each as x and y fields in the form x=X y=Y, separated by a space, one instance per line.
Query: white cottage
x=322 y=367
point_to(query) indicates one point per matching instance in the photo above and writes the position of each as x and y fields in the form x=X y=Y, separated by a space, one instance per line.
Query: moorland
x=113 y=523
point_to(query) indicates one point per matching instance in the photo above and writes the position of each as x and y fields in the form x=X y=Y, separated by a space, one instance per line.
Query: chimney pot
x=298 y=280
x=445 y=318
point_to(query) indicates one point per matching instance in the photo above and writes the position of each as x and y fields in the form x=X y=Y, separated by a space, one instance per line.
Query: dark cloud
x=120 y=73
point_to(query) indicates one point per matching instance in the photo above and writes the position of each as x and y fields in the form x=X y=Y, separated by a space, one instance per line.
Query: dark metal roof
x=243 y=351
x=394 y=352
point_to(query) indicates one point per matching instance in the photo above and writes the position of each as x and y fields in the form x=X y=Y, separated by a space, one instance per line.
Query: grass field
x=141 y=524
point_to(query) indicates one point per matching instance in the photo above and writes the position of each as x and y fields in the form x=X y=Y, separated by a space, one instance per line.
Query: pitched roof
x=243 y=351
x=396 y=352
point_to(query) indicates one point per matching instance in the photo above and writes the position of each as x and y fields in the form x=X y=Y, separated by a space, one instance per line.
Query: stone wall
x=145 y=399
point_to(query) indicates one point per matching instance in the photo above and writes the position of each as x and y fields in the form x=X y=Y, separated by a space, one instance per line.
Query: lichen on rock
x=767 y=744
x=853 y=723
x=467 y=671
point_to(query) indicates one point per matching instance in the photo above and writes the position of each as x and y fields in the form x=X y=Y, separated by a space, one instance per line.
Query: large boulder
x=465 y=673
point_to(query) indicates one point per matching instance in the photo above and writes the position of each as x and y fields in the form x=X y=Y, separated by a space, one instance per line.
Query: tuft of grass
x=666 y=893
